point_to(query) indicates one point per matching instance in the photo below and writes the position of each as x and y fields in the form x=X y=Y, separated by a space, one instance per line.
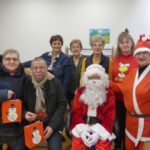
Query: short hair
x=76 y=41
x=10 y=51
x=55 y=38
x=97 y=38
x=38 y=59
x=124 y=35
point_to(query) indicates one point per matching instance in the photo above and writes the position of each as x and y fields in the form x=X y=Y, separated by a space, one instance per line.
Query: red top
x=122 y=65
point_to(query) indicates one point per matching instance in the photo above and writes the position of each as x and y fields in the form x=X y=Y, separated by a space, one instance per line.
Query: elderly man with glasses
x=42 y=95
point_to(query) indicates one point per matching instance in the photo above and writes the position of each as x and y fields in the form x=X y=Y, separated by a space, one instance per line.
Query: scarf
x=40 y=101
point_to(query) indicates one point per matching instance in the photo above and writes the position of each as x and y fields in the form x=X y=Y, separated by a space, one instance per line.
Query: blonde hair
x=97 y=38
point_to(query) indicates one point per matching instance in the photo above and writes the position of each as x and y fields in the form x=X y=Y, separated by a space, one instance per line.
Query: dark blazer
x=76 y=74
x=104 y=61
x=54 y=99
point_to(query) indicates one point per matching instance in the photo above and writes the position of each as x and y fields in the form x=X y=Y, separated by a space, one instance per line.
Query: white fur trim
x=78 y=129
x=101 y=131
x=144 y=39
x=133 y=139
x=142 y=49
x=130 y=136
x=136 y=106
x=94 y=69
x=92 y=111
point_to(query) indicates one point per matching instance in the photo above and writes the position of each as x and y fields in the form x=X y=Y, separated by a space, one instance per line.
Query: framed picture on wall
x=105 y=33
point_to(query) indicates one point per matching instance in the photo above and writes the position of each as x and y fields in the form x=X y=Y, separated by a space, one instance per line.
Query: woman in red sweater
x=123 y=63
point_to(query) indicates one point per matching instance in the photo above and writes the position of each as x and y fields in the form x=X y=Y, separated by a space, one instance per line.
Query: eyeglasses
x=38 y=68
x=8 y=59
x=98 y=45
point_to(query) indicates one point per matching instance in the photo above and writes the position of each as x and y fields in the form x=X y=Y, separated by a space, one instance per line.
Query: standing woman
x=11 y=78
x=97 y=44
x=58 y=63
x=136 y=91
x=76 y=63
x=123 y=63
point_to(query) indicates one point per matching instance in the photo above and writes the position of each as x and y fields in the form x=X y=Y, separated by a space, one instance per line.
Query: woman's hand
x=10 y=94
x=50 y=76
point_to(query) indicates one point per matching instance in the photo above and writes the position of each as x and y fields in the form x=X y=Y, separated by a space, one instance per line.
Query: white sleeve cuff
x=101 y=131
x=76 y=131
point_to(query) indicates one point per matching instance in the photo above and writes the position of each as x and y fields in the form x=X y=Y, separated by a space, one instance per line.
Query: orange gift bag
x=34 y=134
x=11 y=111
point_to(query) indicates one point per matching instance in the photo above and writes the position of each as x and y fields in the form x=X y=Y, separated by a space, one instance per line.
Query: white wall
x=27 y=25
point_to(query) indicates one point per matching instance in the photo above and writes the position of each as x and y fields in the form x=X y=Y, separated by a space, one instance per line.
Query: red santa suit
x=136 y=93
x=105 y=115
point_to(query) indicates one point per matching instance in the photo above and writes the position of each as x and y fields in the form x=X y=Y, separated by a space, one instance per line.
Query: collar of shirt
x=57 y=56
x=53 y=60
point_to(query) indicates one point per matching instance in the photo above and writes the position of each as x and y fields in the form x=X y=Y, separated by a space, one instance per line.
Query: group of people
x=99 y=90
x=39 y=92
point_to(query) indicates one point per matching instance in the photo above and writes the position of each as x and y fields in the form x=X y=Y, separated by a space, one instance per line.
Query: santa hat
x=94 y=69
x=143 y=44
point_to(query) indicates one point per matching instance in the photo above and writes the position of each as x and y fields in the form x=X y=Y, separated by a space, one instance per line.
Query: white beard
x=94 y=94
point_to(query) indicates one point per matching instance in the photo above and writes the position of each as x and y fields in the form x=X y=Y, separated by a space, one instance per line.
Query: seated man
x=42 y=95
x=93 y=111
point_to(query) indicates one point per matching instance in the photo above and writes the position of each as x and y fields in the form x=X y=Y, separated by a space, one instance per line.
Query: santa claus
x=93 y=111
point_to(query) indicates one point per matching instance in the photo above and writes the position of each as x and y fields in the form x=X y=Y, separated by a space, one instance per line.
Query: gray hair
x=38 y=59
x=10 y=51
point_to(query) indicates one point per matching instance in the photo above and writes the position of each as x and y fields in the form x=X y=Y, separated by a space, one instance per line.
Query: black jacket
x=10 y=130
x=13 y=83
x=54 y=99
x=104 y=62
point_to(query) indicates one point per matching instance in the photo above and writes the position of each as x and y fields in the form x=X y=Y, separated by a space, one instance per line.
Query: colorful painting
x=105 y=33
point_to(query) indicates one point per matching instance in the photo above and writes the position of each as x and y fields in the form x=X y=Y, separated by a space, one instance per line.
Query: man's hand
x=30 y=116
x=10 y=94
x=48 y=132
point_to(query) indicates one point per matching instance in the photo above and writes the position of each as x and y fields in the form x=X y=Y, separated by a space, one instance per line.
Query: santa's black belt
x=91 y=120
x=139 y=115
